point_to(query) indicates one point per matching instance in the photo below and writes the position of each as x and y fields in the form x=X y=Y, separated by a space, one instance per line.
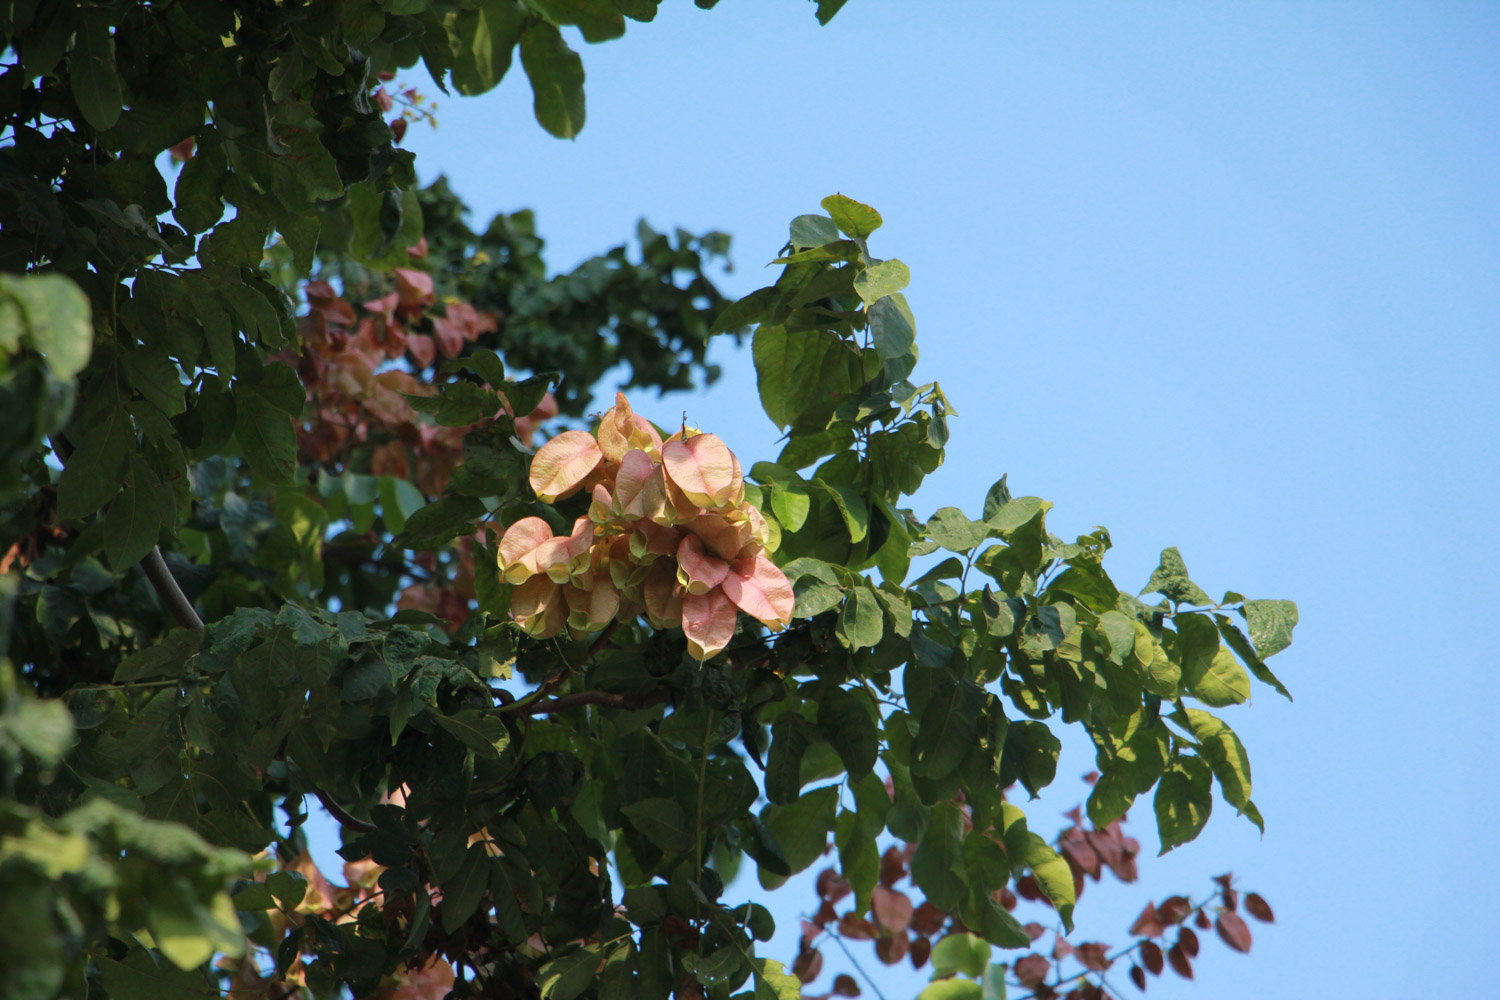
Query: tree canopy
x=302 y=507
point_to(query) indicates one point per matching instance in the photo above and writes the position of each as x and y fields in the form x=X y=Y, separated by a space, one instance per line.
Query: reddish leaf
x=1094 y=955
x=1061 y=948
x=892 y=909
x=1138 y=976
x=892 y=866
x=928 y=919
x=1028 y=889
x=1259 y=908
x=1174 y=909
x=921 y=950
x=1008 y=899
x=892 y=949
x=1149 y=923
x=808 y=964
x=1231 y=899
x=857 y=928
x=825 y=915
x=1188 y=941
x=845 y=986
x=1181 y=964
x=1079 y=853
x=1152 y=957
x=1035 y=930
x=1032 y=969
x=1202 y=921
x=810 y=932
x=398 y=130
x=832 y=886
x=1234 y=931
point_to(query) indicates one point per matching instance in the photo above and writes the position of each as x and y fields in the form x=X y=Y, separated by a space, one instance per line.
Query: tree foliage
x=310 y=425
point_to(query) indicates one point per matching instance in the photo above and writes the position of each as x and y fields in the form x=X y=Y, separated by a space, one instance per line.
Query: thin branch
x=171 y=595
x=838 y=940
x=528 y=703
x=339 y=813
x=604 y=699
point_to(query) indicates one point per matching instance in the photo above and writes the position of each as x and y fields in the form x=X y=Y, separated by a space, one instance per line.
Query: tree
x=287 y=439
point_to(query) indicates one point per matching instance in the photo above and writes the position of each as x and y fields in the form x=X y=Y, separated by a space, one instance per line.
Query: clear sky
x=1216 y=275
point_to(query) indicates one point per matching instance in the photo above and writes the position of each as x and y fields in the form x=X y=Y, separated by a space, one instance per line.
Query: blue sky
x=1220 y=276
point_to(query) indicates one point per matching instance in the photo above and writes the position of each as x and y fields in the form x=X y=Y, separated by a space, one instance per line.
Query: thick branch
x=171 y=595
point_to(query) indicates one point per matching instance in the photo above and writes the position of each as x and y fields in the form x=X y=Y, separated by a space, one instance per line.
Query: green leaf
x=1246 y=652
x=861 y=622
x=966 y=953
x=802 y=827
x=485 y=734
x=1183 y=801
x=846 y=723
x=556 y=75
x=772 y=981
x=58 y=319
x=851 y=507
x=462 y=892
x=1271 y=624
x=1015 y=513
x=879 y=280
x=482 y=39
x=92 y=74
x=663 y=822
x=854 y=218
x=288 y=887
x=439 y=522
x=140 y=977
x=812 y=231
x=43 y=728
x=893 y=328
x=950 y=725
x=790 y=503
x=1211 y=673
x=952 y=529
x=1170 y=579
x=1225 y=755
x=165 y=659
x=802 y=376
x=95 y=471
x=1119 y=631
x=1053 y=875
x=567 y=977
x=265 y=434
x=937 y=867
x=953 y=989
x=136 y=517
x=790 y=737
x=1030 y=755
x=197 y=204
x=815 y=585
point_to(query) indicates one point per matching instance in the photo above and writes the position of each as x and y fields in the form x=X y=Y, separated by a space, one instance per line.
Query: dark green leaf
x=1246 y=652
x=482 y=39
x=861 y=622
x=879 y=280
x=950 y=725
x=136 y=517
x=937 y=867
x=663 y=822
x=846 y=723
x=92 y=74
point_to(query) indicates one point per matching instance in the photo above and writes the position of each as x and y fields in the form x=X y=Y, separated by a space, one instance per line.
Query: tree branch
x=339 y=813
x=605 y=699
x=171 y=595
